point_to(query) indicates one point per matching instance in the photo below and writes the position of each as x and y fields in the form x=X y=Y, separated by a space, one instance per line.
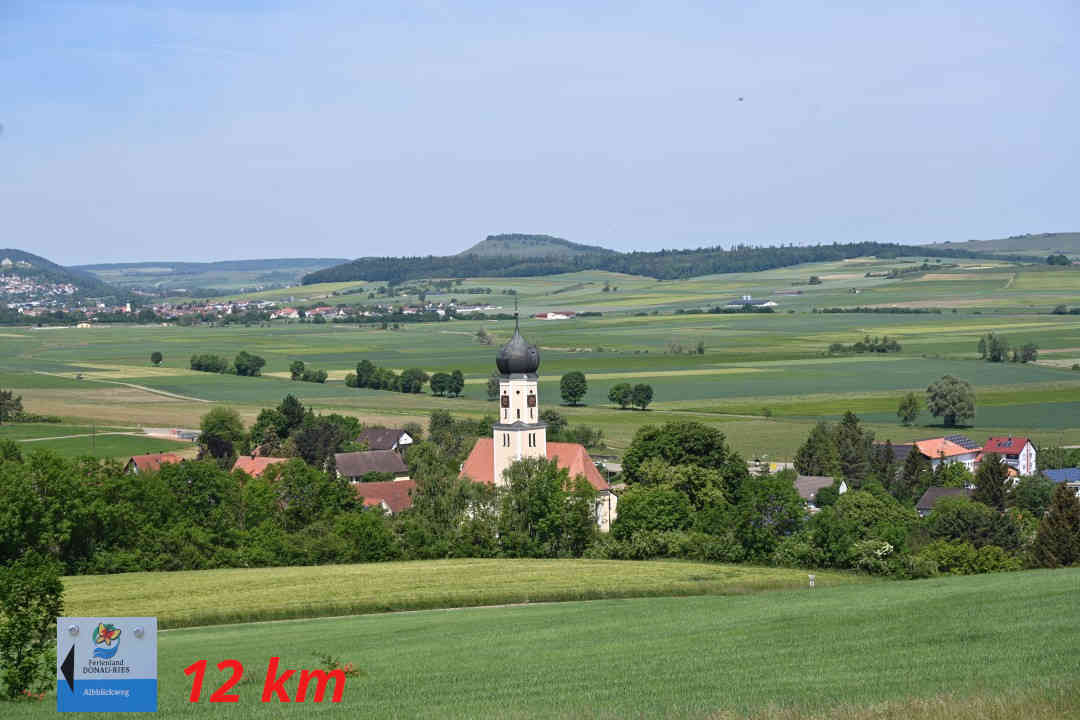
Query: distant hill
x=1038 y=244
x=34 y=266
x=662 y=264
x=212 y=277
x=532 y=246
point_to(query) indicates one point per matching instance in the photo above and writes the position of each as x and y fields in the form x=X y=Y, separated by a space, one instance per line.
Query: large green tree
x=910 y=407
x=651 y=507
x=992 y=482
x=10 y=405
x=1057 y=541
x=641 y=395
x=818 y=455
x=219 y=432
x=622 y=394
x=677 y=443
x=248 y=364
x=545 y=513
x=853 y=449
x=951 y=399
x=573 y=387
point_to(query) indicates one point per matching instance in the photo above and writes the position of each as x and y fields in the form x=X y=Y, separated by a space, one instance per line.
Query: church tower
x=519 y=433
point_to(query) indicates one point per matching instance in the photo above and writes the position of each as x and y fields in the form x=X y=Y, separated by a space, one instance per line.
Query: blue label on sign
x=108 y=696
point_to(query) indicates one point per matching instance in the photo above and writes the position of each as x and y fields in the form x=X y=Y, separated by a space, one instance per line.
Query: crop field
x=987 y=646
x=762 y=378
x=181 y=599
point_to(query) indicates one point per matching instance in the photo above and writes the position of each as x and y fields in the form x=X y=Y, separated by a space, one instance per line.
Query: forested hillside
x=663 y=265
x=1038 y=244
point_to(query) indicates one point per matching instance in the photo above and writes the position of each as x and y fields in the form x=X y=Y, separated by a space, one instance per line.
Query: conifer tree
x=913 y=479
x=992 y=482
x=853 y=448
x=1057 y=542
x=818 y=455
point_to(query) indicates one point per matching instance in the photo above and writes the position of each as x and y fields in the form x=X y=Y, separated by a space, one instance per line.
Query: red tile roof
x=1005 y=445
x=255 y=465
x=937 y=447
x=480 y=465
x=153 y=462
x=395 y=493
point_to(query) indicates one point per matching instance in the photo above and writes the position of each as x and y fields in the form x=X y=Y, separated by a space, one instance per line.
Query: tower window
x=532 y=440
x=506 y=439
x=519 y=413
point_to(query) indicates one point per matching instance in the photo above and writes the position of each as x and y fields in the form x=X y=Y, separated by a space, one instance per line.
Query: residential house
x=392 y=496
x=1016 y=452
x=930 y=498
x=939 y=450
x=152 y=462
x=556 y=315
x=385 y=439
x=809 y=485
x=256 y=465
x=1069 y=476
x=355 y=465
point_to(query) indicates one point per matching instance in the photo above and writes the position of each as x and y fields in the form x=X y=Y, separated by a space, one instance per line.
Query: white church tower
x=519 y=433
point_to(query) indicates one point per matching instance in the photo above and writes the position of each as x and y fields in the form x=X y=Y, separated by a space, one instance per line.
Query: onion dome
x=517 y=356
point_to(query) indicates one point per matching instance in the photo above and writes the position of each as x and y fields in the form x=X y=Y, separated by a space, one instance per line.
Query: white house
x=1016 y=452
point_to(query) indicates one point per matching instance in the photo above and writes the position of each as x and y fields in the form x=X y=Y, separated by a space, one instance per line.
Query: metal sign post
x=106 y=664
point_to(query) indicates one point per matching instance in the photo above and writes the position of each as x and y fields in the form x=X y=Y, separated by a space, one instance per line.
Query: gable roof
x=255 y=465
x=380 y=438
x=153 y=461
x=932 y=495
x=574 y=458
x=395 y=493
x=936 y=447
x=358 y=464
x=1064 y=475
x=808 y=485
x=900 y=452
x=1005 y=445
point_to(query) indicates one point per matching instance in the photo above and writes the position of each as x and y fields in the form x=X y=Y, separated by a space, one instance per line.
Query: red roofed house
x=150 y=463
x=940 y=450
x=392 y=496
x=520 y=433
x=255 y=465
x=1016 y=452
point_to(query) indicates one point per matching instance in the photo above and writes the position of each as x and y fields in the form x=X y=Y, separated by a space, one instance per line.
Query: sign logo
x=107 y=635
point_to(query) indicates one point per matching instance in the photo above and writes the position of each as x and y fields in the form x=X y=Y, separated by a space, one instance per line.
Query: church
x=520 y=433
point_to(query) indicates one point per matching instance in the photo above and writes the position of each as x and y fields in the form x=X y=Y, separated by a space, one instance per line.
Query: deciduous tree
x=573 y=387
x=910 y=407
x=951 y=399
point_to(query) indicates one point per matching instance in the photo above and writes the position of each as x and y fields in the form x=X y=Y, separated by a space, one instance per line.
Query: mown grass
x=181 y=599
x=991 y=646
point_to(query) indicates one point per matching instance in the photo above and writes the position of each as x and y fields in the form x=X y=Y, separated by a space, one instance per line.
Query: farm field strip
x=945 y=644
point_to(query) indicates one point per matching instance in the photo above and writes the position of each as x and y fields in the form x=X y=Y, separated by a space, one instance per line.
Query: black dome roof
x=517 y=356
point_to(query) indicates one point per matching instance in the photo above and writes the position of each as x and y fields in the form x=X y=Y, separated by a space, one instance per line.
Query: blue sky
x=234 y=129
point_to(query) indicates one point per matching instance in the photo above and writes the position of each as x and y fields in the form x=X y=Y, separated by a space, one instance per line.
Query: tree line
x=662 y=265
x=245 y=364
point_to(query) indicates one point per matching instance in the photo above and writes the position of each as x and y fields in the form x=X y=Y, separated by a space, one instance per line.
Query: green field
x=989 y=646
x=180 y=599
x=753 y=365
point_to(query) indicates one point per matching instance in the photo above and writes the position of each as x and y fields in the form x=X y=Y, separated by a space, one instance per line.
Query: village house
x=748 y=300
x=1069 y=476
x=256 y=465
x=142 y=464
x=385 y=439
x=392 y=496
x=520 y=434
x=930 y=498
x=355 y=466
x=940 y=450
x=809 y=485
x=1016 y=452
x=557 y=315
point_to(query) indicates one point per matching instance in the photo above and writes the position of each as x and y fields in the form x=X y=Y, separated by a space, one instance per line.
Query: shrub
x=31 y=598
x=961 y=558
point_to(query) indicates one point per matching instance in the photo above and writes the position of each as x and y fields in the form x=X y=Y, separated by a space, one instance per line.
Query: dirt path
x=150 y=390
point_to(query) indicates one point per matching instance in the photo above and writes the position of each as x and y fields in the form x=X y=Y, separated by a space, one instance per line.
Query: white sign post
x=106 y=664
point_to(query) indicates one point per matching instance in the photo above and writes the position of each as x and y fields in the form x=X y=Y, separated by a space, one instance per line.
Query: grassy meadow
x=763 y=379
x=988 y=646
x=182 y=599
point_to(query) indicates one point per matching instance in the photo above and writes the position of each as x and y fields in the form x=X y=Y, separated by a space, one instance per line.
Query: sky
x=227 y=129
